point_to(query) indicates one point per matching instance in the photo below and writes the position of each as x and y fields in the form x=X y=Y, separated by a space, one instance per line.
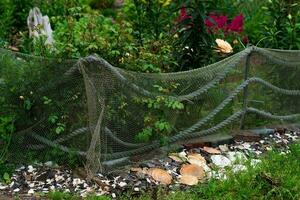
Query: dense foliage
x=155 y=35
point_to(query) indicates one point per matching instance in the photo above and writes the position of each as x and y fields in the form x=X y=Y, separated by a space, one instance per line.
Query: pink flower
x=237 y=24
x=216 y=22
x=183 y=15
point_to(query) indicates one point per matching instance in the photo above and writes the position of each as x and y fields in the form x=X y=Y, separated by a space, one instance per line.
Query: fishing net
x=90 y=109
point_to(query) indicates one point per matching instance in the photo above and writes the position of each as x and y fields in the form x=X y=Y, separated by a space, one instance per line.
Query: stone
x=16 y=190
x=224 y=148
x=176 y=158
x=220 y=161
x=31 y=185
x=3 y=187
x=236 y=156
x=122 y=184
x=31 y=191
x=238 y=168
x=30 y=169
x=76 y=181
x=182 y=155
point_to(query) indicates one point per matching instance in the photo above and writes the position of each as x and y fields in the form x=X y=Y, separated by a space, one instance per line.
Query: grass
x=277 y=177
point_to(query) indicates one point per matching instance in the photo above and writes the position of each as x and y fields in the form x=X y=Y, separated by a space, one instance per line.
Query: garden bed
x=41 y=178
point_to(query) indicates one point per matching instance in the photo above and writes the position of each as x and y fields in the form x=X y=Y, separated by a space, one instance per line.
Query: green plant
x=151 y=23
x=6 y=130
x=6 y=20
x=283 y=15
x=83 y=33
x=156 y=123
x=57 y=195
x=150 y=19
x=193 y=45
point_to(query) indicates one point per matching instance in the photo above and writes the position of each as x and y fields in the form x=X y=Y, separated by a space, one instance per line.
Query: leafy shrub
x=6 y=20
x=193 y=46
x=284 y=17
x=156 y=122
x=6 y=130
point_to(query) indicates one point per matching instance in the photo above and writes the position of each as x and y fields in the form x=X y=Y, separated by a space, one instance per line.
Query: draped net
x=93 y=110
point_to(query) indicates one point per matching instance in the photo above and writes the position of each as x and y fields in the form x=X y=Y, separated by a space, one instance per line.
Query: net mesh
x=91 y=109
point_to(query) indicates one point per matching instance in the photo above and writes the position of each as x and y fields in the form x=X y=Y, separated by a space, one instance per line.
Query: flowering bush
x=198 y=30
x=217 y=23
x=219 y=26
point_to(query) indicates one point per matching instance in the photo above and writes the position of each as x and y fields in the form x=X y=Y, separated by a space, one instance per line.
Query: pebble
x=3 y=187
x=220 y=161
x=122 y=184
x=16 y=190
x=31 y=185
x=30 y=169
x=238 y=168
x=235 y=156
x=224 y=148
x=31 y=191
x=182 y=154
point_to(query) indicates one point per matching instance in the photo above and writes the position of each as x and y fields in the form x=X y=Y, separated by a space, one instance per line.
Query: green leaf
x=52 y=119
x=6 y=177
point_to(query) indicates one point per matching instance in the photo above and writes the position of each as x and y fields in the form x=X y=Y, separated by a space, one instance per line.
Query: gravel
x=46 y=177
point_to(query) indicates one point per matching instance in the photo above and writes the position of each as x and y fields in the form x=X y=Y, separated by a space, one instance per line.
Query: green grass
x=277 y=177
x=67 y=196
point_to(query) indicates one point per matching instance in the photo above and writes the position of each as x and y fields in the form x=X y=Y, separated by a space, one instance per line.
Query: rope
x=62 y=139
x=83 y=130
x=225 y=102
x=119 y=141
x=272 y=116
x=191 y=96
x=270 y=54
x=55 y=145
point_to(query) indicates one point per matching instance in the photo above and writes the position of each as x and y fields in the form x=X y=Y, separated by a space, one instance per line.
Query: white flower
x=223 y=47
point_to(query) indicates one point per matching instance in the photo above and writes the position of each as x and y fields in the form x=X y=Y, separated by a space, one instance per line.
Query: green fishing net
x=101 y=113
